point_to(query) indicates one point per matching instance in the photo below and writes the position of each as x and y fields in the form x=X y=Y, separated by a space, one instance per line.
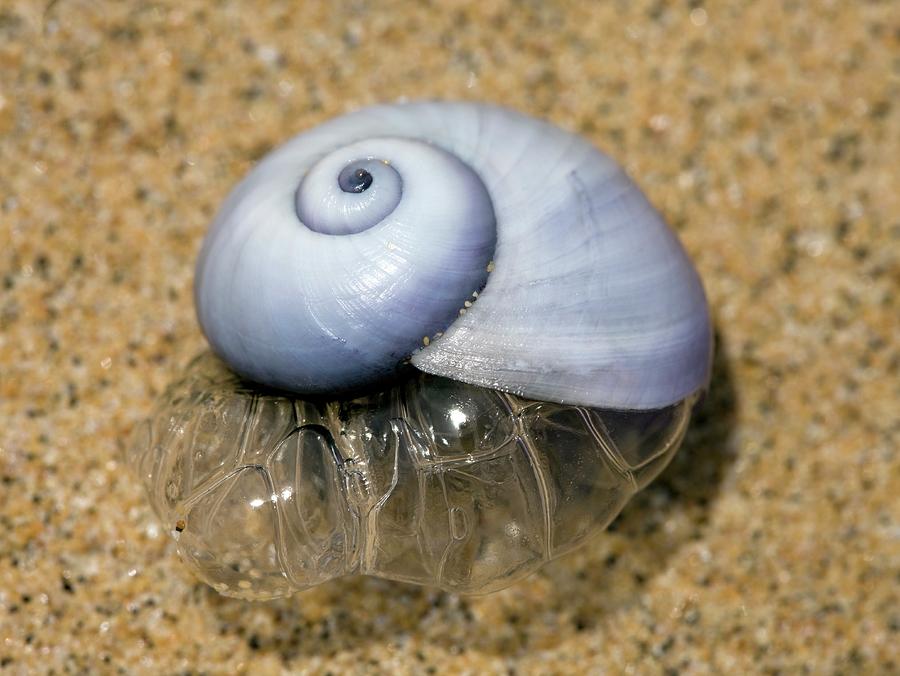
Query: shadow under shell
x=430 y=481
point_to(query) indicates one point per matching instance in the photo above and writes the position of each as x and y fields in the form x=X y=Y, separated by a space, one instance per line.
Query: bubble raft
x=430 y=482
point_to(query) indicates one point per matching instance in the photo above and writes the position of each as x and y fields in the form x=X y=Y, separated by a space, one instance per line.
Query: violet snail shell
x=472 y=339
x=309 y=286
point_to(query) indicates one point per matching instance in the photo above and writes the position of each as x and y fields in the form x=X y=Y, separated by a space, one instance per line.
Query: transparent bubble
x=431 y=481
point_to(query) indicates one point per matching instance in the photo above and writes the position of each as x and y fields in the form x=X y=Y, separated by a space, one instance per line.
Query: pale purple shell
x=490 y=248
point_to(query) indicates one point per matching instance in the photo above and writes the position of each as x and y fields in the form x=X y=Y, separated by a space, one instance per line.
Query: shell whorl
x=305 y=285
x=334 y=283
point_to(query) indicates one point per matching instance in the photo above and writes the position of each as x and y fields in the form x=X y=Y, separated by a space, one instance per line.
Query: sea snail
x=459 y=340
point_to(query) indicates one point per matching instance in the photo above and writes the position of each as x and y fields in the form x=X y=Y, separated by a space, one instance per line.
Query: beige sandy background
x=768 y=133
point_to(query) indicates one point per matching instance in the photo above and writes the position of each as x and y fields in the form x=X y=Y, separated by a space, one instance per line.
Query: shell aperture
x=308 y=286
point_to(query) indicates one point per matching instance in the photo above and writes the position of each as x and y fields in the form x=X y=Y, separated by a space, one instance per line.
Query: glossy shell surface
x=484 y=245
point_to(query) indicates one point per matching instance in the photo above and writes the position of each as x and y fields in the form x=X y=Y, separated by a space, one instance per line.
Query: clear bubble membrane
x=430 y=481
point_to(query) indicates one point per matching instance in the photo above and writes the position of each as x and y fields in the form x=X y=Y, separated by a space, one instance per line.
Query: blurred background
x=768 y=134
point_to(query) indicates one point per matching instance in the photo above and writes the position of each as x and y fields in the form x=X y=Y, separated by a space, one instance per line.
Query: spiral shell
x=477 y=243
x=476 y=340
